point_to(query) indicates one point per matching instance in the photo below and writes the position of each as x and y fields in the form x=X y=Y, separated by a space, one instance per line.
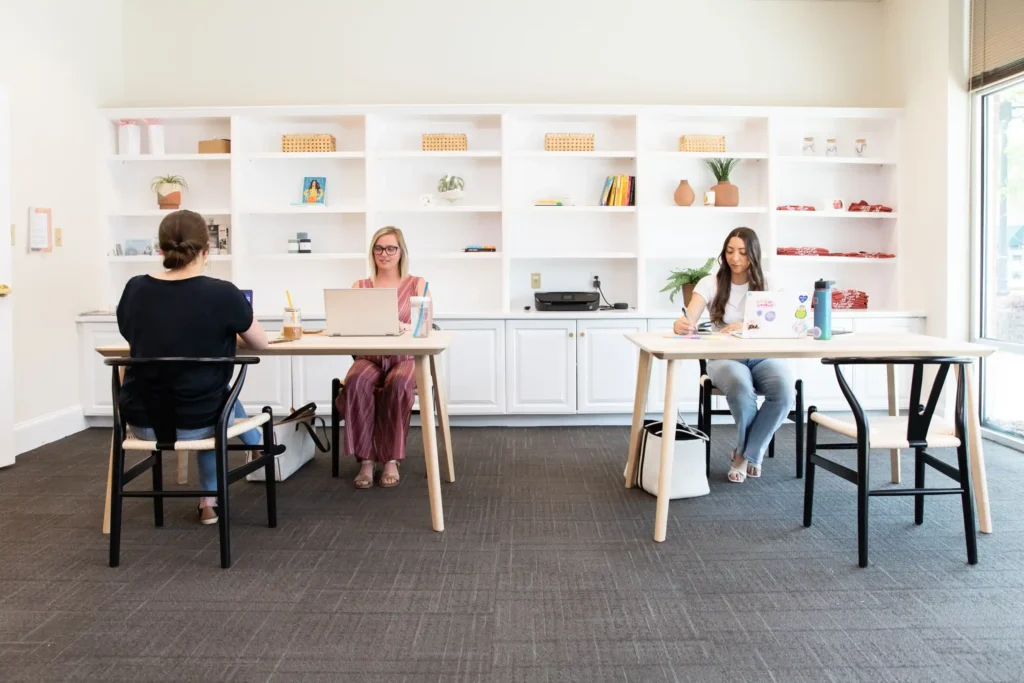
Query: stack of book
x=619 y=190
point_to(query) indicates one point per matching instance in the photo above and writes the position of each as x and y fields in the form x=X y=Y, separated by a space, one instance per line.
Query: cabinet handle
x=570 y=334
x=582 y=334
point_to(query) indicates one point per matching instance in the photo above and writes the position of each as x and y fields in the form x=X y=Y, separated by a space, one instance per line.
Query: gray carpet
x=547 y=572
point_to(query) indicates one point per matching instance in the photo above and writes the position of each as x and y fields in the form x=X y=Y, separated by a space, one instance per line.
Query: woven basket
x=308 y=142
x=444 y=142
x=702 y=143
x=569 y=142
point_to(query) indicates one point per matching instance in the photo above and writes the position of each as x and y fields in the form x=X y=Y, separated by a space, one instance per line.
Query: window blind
x=997 y=41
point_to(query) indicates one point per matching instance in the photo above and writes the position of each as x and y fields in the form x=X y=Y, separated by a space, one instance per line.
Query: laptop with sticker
x=776 y=315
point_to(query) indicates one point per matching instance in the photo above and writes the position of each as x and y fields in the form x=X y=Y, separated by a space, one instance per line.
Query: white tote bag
x=689 y=464
x=297 y=433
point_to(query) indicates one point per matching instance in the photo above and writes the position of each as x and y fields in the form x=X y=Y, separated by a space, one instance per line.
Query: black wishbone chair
x=155 y=379
x=918 y=430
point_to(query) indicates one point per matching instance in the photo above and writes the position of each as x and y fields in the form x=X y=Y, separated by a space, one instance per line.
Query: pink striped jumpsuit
x=377 y=398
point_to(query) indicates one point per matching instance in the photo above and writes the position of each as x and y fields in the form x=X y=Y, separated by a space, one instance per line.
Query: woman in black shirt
x=183 y=313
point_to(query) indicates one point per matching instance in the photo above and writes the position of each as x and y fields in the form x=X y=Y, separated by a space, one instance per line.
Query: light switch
x=58 y=237
x=535 y=280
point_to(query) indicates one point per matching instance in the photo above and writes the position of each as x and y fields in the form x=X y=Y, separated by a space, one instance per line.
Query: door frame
x=7 y=455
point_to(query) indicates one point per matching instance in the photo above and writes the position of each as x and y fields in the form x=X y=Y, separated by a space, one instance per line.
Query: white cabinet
x=870 y=382
x=97 y=399
x=474 y=367
x=820 y=386
x=269 y=382
x=606 y=365
x=540 y=366
x=687 y=378
x=312 y=377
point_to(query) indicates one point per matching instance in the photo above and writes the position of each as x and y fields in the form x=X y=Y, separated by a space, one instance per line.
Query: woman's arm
x=694 y=311
x=255 y=337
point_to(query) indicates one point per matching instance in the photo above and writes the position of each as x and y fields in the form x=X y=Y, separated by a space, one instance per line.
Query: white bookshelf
x=376 y=177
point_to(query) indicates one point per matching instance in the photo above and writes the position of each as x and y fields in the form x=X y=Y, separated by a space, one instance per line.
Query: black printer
x=567 y=301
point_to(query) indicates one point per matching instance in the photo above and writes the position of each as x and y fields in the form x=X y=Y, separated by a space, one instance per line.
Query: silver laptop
x=359 y=312
x=776 y=315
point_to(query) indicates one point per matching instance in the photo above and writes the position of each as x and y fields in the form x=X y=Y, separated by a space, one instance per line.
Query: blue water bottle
x=823 y=308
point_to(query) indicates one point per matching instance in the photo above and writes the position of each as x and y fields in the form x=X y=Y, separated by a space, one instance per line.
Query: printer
x=567 y=301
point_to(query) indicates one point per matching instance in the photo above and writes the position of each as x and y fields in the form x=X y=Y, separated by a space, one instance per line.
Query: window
x=1002 y=257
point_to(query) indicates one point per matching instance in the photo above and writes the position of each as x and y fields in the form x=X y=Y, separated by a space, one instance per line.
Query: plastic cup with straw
x=419 y=318
x=296 y=328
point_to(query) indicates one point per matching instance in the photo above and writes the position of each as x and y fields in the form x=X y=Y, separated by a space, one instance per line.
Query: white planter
x=155 y=131
x=129 y=139
x=452 y=195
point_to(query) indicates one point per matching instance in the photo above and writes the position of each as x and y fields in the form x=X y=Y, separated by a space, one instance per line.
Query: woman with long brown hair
x=379 y=390
x=723 y=294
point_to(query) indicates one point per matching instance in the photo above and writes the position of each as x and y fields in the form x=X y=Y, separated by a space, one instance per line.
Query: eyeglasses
x=390 y=250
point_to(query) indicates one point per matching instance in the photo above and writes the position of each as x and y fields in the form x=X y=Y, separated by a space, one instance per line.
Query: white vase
x=155 y=131
x=129 y=139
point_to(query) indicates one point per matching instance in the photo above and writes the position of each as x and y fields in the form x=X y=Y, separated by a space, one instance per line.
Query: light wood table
x=855 y=345
x=426 y=353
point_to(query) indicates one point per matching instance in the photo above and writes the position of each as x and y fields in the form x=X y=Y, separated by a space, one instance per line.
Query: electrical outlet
x=535 y=280
x=594 y=277
x=58 y=237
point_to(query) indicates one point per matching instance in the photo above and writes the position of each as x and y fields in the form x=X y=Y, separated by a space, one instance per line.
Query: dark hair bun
x=183 y=237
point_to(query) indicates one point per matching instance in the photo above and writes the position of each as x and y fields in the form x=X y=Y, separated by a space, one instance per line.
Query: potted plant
x=726 y=194
x=168 y=190
x=685 y=280
x=451 y=187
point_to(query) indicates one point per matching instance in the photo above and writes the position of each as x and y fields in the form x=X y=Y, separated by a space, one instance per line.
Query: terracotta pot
x=726 y=194
x=687 y=294
x=684 y=194
x=168 y=196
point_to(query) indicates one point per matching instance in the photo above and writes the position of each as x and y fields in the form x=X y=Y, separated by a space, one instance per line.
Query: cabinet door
x=687 y=377
x=871 y=383
x=474 y=367
x=540 y=366
x=606 y=365
x=312 y=377
x=269 y=382
x=95 y=386
x=820 y=386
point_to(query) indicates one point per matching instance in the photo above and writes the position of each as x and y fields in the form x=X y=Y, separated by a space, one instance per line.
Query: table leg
x=441 y=406
x=668 y=446
x=182 y=468
x=894 y=411
x=429 y=441
x=643 y=381
x=976 y=452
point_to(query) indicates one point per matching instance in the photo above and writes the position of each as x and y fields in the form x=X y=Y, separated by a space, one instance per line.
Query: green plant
x=449 y=183
x=687 y=276
x=722 y=168
x=168 y=180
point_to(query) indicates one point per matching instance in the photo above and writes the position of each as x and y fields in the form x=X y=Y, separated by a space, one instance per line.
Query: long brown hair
x=183 y=236
x=755 y=278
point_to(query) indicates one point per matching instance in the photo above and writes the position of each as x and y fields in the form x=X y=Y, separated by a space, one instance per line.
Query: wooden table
x=426 y=353
x=855 y=345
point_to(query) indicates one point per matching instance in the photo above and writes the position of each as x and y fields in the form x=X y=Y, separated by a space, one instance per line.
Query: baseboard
x=39 y=431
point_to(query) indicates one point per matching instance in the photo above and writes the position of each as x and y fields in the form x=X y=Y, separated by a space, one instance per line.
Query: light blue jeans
x=741 y=381
x=207 y=460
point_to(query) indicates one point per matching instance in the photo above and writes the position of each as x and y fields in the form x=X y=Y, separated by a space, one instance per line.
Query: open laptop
x=776 y=315
x=357 y=312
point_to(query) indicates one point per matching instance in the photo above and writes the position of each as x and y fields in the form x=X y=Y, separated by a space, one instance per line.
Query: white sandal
x=753 y=471
x=737 y=472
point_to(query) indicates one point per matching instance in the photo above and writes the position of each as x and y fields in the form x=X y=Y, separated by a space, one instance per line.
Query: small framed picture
x=314 y=190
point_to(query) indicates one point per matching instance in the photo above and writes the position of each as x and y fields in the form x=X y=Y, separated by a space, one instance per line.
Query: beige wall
x=59 y=61
x=771 y=52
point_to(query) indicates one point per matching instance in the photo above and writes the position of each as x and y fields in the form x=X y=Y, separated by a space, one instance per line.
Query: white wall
x=59 y=61
x=771 y=52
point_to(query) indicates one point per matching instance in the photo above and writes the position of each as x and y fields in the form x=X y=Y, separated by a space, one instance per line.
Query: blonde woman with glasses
x=379 y=391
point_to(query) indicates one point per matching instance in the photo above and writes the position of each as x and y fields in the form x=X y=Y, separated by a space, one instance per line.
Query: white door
x=606 y=365
x=871 y=382
x=269 y=382
x=6 y=305
x=312 y=377
x=687 y=377
x=96 y=377
x=474 y=367
x=821 y=389
x=540 y=366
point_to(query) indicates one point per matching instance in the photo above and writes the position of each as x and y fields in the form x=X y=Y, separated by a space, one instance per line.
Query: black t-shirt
x=192 y=318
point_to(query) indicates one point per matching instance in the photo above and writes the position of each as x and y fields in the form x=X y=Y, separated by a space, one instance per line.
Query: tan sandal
x=737 y=471
x=362 y=481
x=388 y=481
x=753 y=471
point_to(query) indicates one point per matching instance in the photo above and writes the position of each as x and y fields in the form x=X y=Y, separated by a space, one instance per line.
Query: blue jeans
x=207 y=459
x=741 y=381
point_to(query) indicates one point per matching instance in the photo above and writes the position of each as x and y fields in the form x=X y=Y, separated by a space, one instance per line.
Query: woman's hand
x=683 y=326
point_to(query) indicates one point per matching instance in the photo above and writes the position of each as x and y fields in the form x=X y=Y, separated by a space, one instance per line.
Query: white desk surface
x=854 y=345
x=322 y=345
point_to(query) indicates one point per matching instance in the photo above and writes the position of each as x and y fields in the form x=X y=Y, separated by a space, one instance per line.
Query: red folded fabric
x=848 y=299
x=794 y=207
x=870 y=208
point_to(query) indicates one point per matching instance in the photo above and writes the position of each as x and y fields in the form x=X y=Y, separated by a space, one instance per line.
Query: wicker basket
x=308 y=142
x=702 y=143
x=569 y=142
x=444 y=142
